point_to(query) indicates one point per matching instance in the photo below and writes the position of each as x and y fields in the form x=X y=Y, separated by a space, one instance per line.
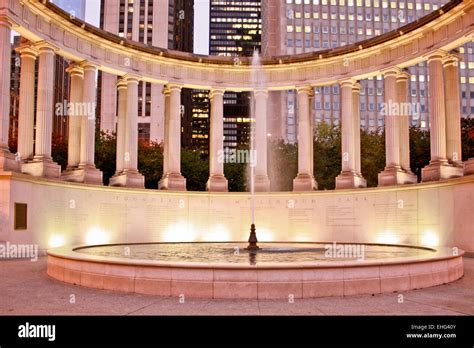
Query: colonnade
x=34 y=140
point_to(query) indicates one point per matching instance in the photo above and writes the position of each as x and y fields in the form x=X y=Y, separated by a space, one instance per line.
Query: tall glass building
x=298 y=26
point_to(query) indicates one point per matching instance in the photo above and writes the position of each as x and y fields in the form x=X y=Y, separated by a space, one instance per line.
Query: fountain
x=252 y=246
x=271 y=270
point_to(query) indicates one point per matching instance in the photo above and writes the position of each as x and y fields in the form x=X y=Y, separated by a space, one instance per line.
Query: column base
x=440 y=170
x=87 y=175
x=131 y=178
x=42 y=167
x=469 y=167
x=217 y=183
x=262 y=183
x=348 y=180
x=396 y=176
x=172 y=182
x=304 y=183
x=8 y=162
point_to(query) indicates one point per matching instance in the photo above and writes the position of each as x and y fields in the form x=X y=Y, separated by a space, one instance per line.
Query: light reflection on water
x=236 y=254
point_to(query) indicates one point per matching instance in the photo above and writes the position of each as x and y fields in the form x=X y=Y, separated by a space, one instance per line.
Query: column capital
x=392 y=71
x=404 y=75
x=75 y=69
x=347 y=82
x=307 y=89
x=174 y=86
x=356 y=87
x=132 y=78
x=44 y=46
x=261 y=91
x=452 y=59
x=89 y=65
x=27 y=50
x=216 y=91
x=4 y=21
x=436 y=55
x=121 y=83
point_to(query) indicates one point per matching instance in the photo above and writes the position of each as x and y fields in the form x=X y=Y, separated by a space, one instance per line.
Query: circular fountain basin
x=277 y=270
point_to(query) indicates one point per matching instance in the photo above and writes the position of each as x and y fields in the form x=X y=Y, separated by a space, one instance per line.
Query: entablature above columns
x=77 y=41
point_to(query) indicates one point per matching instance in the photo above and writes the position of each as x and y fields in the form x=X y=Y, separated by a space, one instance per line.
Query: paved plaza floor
x=25 y=289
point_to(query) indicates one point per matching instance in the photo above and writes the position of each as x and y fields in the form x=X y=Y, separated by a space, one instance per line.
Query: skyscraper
x=298 y=26
x=150 y=22
x=235 y=30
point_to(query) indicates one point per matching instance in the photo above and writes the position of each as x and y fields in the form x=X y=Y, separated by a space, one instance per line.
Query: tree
x=282 y=165
x=327 y=155
x=150 y=162
x=195 y=169
x=419 y=150
x=105 y=154
x=372 y=156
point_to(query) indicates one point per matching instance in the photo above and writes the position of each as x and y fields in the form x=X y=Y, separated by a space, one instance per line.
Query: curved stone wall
x=445 y=29
x=76 y=214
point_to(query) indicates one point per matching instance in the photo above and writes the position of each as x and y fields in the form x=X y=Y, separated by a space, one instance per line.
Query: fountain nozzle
x=252 y=239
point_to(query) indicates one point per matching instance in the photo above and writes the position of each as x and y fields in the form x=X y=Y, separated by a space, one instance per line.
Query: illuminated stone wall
x=60 y=213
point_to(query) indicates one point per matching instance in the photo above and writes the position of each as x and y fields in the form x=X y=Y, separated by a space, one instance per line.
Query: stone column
x=172 y=179
x=75 y=121
x=166 y=133
x=157 y=118
x=8 y=162
x=121 y=125
x=404 y=121
x=453 y=110
x=391 y=118
x=217 y=181
x=439 y=168
x=26 y=110
x=349 y=177
x=108 y=103
x=395 y=84
x=262 y=182
x=84 y=109
x=356 y=121
x=42 y=164
x=305 y=181
x=130 y=177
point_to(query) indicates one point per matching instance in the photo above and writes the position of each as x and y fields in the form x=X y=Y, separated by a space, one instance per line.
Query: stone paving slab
x=25 y=289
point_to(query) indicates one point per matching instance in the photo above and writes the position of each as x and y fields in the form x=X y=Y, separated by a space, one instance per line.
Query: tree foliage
x=282 y=158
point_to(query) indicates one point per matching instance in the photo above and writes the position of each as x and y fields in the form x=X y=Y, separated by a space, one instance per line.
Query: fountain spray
x=252 y=246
